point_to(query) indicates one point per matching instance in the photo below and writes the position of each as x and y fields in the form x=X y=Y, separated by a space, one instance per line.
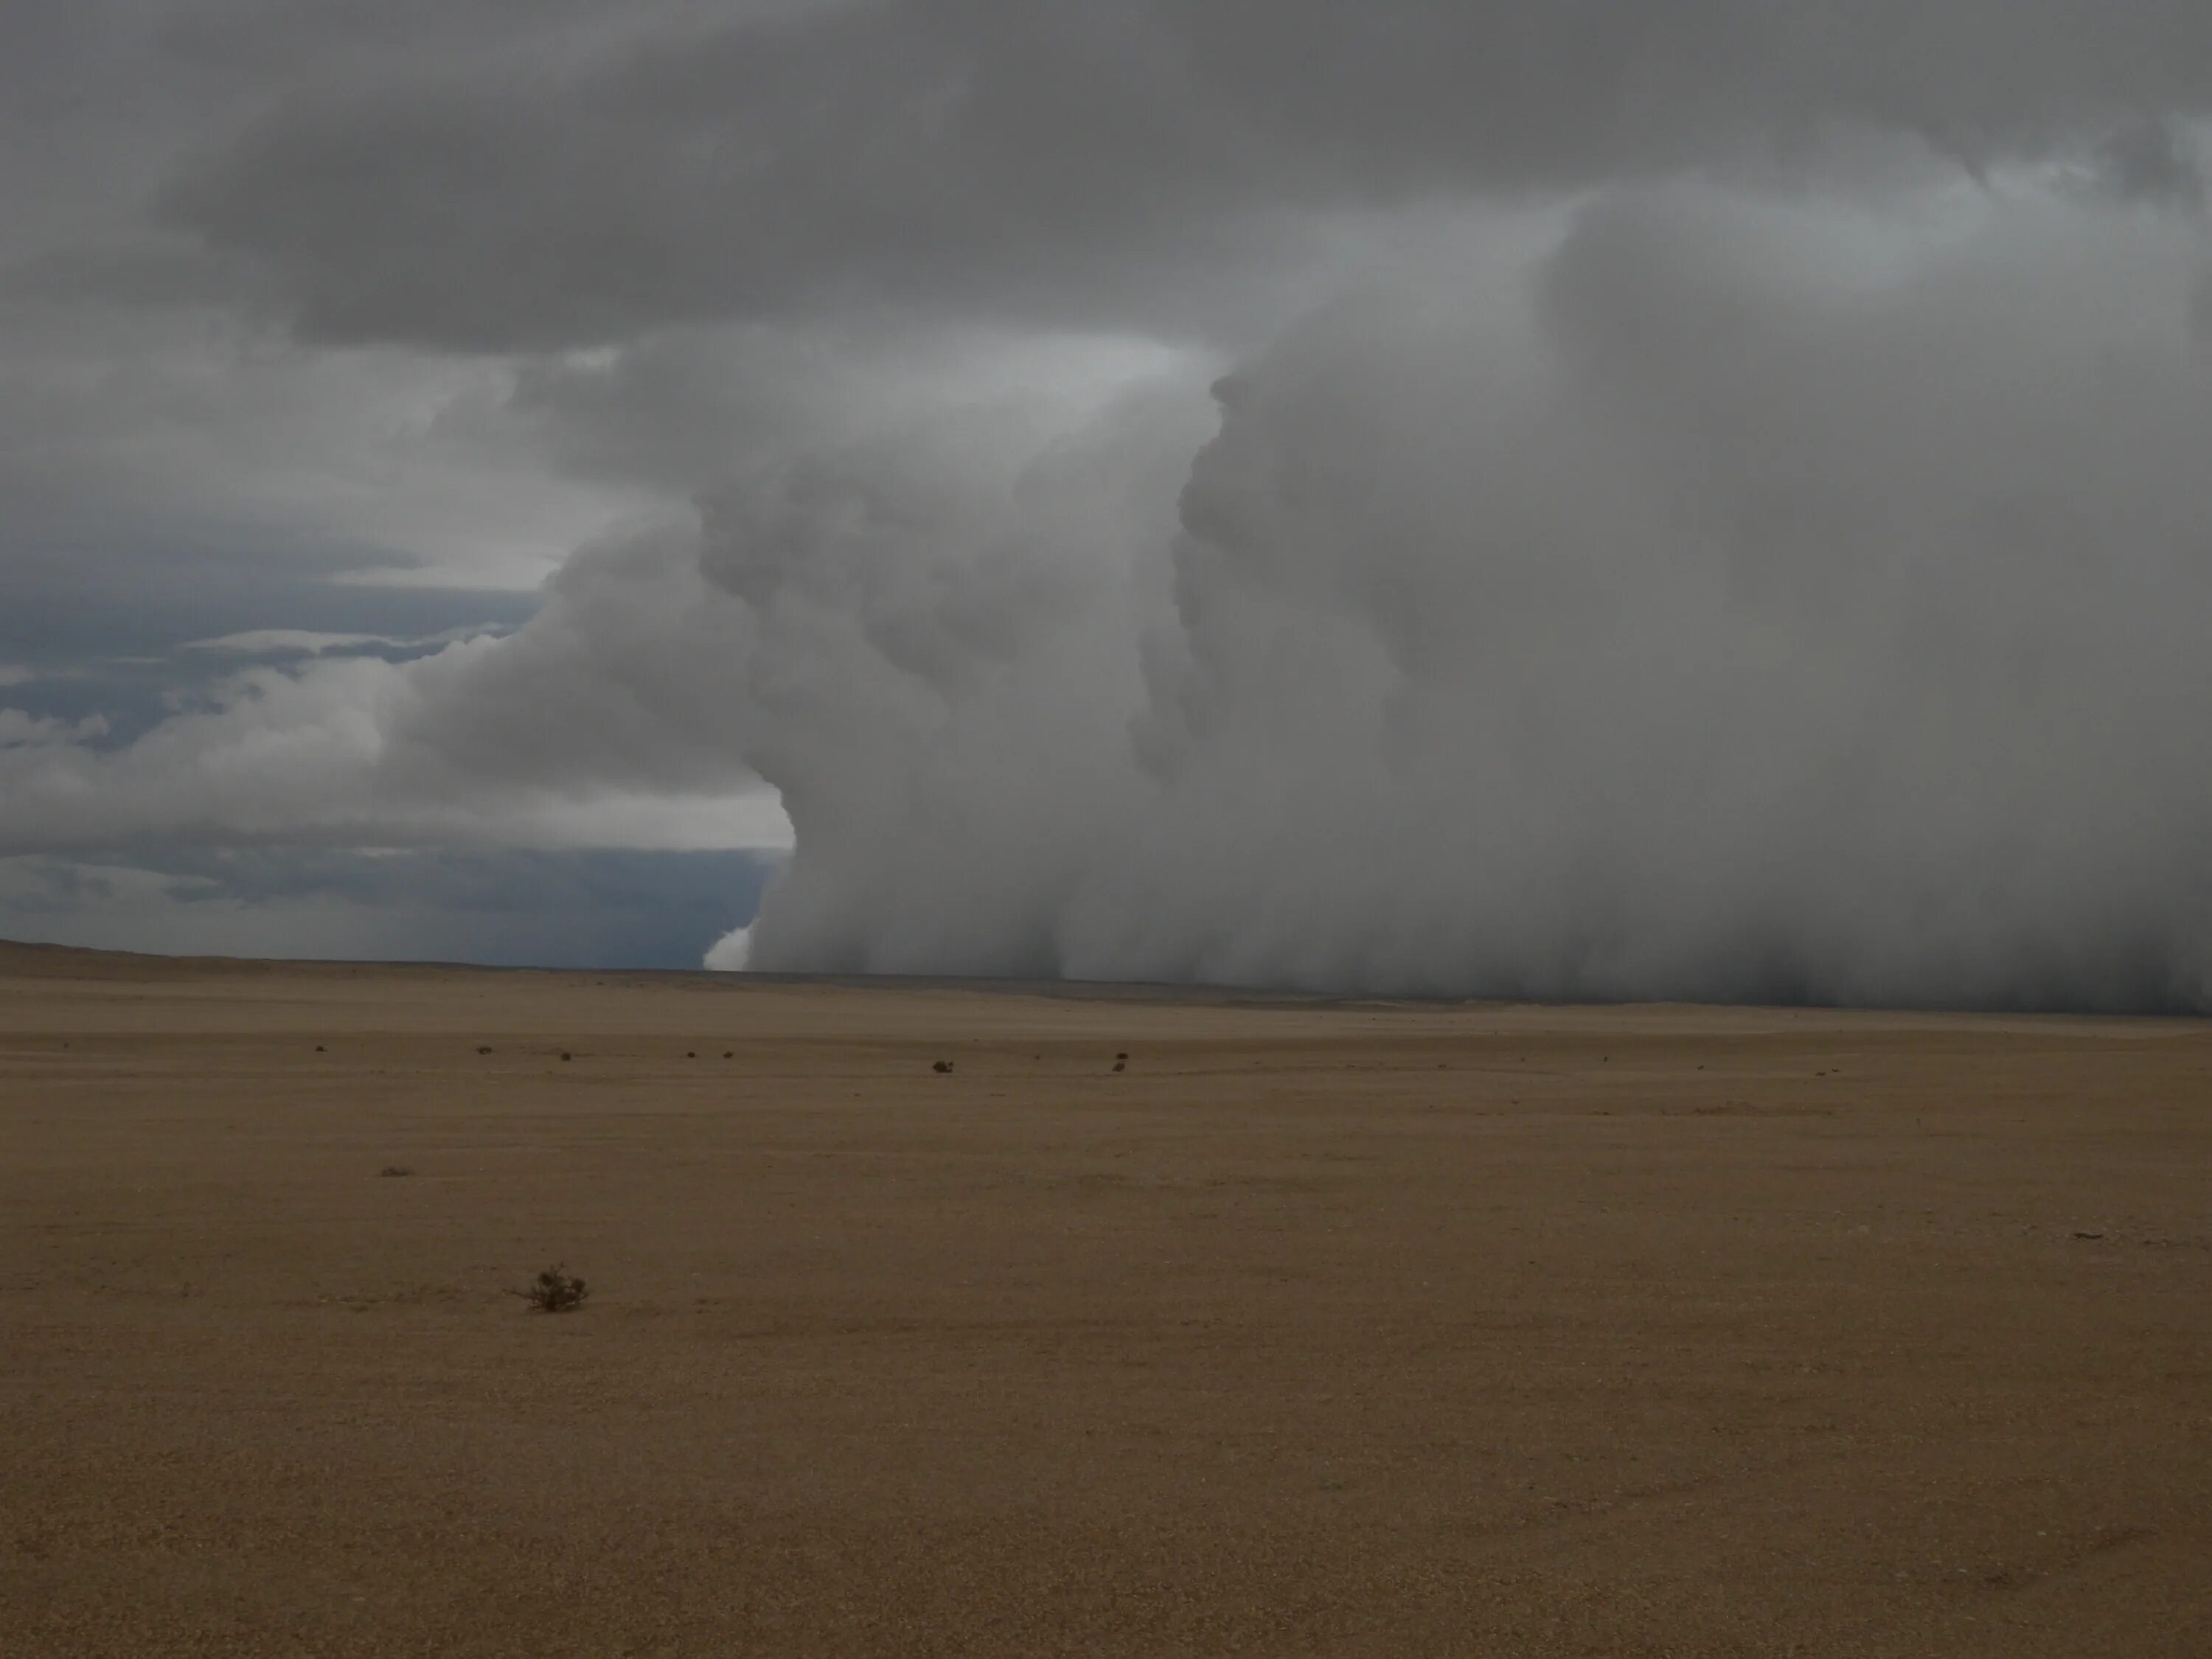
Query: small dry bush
x=555 y=1290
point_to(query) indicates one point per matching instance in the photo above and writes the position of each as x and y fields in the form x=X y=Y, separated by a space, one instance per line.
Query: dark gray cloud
x=2150 y=161
x=1101 y=160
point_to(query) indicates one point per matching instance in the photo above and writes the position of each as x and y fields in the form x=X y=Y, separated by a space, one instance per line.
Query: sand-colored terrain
x=1317 y=1329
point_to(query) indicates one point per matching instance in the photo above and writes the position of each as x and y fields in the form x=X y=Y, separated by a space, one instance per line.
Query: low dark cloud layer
x=1077 y=162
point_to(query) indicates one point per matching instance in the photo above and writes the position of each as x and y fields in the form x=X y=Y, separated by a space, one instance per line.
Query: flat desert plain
x=1315 y=1329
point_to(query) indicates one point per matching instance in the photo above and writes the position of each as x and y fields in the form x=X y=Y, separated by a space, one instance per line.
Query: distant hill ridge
x=20 y=960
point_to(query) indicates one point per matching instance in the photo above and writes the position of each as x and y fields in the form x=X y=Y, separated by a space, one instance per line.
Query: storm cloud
x=1078 y=163
x=1681 y=500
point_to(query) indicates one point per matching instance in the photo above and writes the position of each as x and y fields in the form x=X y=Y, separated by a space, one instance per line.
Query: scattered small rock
x=318 y=1047
x=942 y=1066
x=483 y=1048
x=691 y=1054
x=729 y=1053
x=565 y=1054
x=396 y=1170
x=2088 y=1232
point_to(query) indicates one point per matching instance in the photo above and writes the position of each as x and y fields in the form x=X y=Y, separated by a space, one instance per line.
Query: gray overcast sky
x=1614 y=497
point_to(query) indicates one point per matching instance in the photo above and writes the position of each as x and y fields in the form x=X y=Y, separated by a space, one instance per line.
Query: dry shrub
x=555 y=1290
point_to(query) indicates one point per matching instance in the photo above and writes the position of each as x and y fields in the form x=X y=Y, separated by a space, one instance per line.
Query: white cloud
x=286 y=642
x=310 y=642
x=1691 y=613
x=730 y=953
x=346 y=750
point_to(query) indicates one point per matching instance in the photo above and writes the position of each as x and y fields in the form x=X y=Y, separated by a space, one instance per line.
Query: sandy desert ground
x=1327 y=1329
